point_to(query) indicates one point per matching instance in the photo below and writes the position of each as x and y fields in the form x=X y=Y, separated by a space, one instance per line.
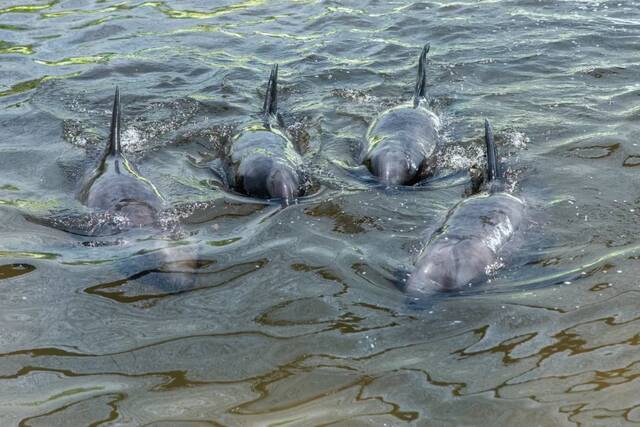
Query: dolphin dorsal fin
x=420 y=91
x=115 y=147
x=270 y=108
x=493 y=172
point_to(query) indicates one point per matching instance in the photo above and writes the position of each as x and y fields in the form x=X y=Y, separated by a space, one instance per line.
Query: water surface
x=291 y=317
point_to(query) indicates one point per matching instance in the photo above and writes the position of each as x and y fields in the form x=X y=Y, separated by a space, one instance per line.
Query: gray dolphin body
x=264 y=161
x=403 y=140
x=116 y=188
x=469 y=240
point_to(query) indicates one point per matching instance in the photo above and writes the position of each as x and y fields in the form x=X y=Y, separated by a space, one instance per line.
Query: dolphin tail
x=270 y=108
x=114 y=147
x=492 y=156
x=421 y=82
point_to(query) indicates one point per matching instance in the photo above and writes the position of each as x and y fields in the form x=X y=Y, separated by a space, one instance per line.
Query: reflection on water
x=344 y=222
x=254 y=314
x=173 y=278
x=8 y=271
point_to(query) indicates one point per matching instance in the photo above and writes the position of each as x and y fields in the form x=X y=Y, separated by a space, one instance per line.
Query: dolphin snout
x=283 y=184
x=392 y=168
x=429 y=278
x=137 y=213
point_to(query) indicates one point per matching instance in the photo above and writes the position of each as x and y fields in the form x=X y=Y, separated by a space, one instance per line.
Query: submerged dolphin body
x=469 y=240
x=403 y=140
x=264 y=161
x=115 y=187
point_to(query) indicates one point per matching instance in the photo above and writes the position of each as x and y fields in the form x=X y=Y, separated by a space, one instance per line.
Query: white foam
x=517 y=139
x=133 y=140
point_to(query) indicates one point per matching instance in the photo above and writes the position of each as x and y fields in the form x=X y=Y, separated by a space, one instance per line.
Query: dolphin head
x=432 y=274
x=392 y=167
x=253 y=174
x=265 y=178
x=283 y=183
x=137 y=212
x=450 y=265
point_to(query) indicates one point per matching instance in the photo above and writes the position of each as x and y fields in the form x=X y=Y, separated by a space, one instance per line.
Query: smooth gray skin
x=115 y=188
x=402 y=144
x=266 y=165
x=467 y=243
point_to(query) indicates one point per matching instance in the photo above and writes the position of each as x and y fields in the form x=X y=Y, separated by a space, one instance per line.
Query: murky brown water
x=264 y=316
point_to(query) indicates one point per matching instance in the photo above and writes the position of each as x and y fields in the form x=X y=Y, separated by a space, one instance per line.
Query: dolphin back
x=468 y=243
x=264 y=161
x=115 y=185
x=403 y=140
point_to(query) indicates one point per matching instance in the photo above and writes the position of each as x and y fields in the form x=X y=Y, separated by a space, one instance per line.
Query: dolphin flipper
x=421 y=82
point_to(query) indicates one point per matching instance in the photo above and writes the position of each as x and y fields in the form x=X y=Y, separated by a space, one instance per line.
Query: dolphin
x=403 y=140
x=264 y=161
x=115 y=187
x=123 y=200
x=469 y=240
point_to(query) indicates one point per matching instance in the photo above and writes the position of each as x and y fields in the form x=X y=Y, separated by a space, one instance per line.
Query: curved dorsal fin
x=115 y=147
x=493 y=172
x=420 y=91
x=270 y=107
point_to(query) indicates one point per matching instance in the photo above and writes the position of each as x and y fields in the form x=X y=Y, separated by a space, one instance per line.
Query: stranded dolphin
x=264 y=161
x=470 y=239
x=403 y=140
x=116 y=188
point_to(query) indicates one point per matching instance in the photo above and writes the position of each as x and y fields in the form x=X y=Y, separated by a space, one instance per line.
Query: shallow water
x=259 y=315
